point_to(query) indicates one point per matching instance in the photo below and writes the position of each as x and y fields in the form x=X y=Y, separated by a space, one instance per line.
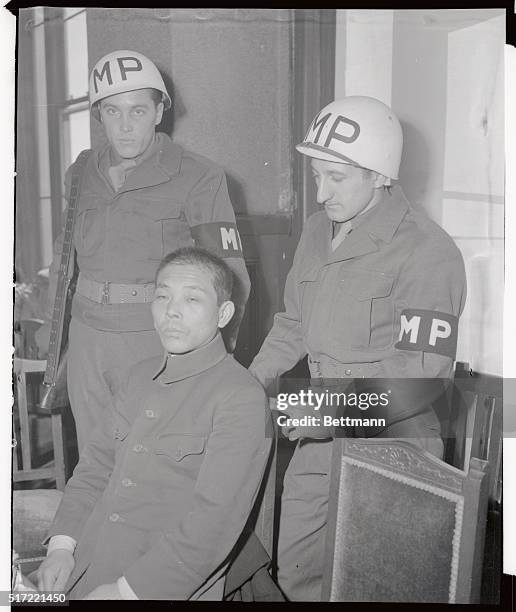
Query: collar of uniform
x=170 y=154
x=168 y=157
x=108 y=157
x=383 y=220
x=179 y=367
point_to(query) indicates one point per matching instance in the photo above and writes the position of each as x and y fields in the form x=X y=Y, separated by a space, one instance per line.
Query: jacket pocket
x=308 y=294
x=363 y=312
x=175 y=456
x=167 y=227
x=179 y=446
x=89 y=231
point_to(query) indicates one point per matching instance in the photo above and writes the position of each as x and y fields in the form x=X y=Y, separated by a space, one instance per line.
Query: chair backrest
x=25 y=338
x=28 y=374
x=476 y=425
x=403 y=526
x=33 y=512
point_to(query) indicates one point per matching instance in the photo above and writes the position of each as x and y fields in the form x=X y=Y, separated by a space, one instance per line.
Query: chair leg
x=21 y=384
x=59 y=457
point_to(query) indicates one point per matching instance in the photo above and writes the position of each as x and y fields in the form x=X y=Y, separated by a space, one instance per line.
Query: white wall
x=363 y=62
x=473 y=186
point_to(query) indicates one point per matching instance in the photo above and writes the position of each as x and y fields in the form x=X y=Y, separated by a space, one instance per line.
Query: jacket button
x=114 y=517
x=150 y=414
x=347 y=372
x=134 y=292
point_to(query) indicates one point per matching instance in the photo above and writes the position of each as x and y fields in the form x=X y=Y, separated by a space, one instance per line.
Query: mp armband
x=428 y=331
x=221 y=238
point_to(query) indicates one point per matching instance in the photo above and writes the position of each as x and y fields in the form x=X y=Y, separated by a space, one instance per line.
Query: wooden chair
x=403 y=526
x=477 y=431
x=28 y=375
x=476 y=424
x=32 y=514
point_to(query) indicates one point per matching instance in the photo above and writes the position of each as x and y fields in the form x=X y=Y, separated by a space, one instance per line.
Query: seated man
x=161 y=495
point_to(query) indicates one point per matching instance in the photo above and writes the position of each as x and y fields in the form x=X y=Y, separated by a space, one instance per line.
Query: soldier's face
x=129 y=120
x=185 y=308
x=344 y=190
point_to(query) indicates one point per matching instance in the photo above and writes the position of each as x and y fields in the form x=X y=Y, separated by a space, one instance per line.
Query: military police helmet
x=356 y=130
x=122 y=71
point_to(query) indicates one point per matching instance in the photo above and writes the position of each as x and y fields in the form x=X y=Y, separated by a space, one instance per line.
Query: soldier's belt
x=113 y=293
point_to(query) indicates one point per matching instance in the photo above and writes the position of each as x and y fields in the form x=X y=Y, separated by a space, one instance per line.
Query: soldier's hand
x=55 y=570
x=42 y=337
x=312 y=428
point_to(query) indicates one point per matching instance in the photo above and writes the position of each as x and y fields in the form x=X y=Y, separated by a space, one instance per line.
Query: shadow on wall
x=236 y=193
x=176 y=111
x=415 y=169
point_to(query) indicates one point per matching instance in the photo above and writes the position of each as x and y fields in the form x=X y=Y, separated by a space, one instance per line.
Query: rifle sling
x=64 y=275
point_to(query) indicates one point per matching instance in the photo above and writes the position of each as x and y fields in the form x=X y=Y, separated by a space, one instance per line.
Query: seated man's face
x=185 y=308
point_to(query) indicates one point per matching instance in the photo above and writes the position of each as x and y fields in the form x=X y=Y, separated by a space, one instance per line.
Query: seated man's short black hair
x=221 y=274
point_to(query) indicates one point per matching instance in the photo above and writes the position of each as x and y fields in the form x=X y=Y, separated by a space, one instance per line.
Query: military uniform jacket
x=344 y=308
x=163 y=493
x=172 y=199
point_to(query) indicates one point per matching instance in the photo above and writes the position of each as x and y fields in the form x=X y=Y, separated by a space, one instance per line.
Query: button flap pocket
x=157 y=209
x=366 y=284
x=178 y=446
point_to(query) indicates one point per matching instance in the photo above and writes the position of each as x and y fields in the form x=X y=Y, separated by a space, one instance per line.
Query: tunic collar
x=384 y=219
x=379 y=224
x=179 y=367
x=168 y=156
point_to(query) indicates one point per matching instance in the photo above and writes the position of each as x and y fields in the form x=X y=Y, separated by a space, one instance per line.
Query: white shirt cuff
x=125 y=589
x=61 y=541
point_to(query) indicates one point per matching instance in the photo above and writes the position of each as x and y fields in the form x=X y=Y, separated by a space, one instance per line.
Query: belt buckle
x=105 y=293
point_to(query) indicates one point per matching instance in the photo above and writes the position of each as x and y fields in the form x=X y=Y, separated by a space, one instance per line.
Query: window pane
x=76 y=50
x=70 y=12
x=79 y=126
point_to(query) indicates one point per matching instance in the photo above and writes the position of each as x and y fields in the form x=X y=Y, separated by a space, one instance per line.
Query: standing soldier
x=141 y=197
x=375 y=292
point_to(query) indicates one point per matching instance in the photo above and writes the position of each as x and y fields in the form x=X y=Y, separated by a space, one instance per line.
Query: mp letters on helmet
x=429 y=331
x=221 y=238
x=123 y=66
x=335 y=127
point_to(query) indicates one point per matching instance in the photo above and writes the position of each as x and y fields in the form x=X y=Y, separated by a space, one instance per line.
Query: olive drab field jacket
x=172 y=199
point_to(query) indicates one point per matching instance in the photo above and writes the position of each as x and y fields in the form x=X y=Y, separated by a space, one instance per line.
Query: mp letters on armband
x=429 y=331
x=220 y=238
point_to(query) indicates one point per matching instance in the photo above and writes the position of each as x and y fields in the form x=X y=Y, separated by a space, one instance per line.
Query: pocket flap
x=178 y=446
x=158 y=209
x=366 y=284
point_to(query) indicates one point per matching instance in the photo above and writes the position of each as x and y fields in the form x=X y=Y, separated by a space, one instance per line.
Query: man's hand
x=105 y=591
x=314 y=428
x=55 y=570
